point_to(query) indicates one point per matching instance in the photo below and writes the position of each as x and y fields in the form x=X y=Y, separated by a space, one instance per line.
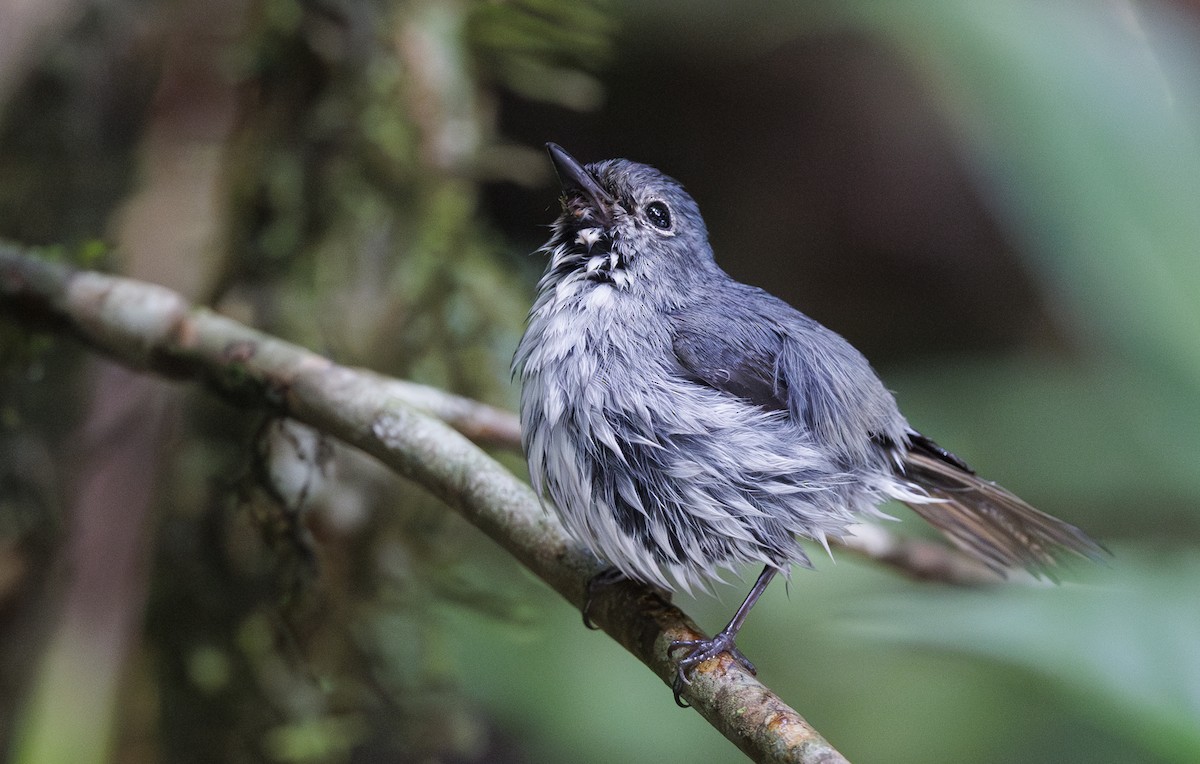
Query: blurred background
x=999 y=203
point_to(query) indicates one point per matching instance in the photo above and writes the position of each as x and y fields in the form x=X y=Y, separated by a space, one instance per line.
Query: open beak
x=574 y=178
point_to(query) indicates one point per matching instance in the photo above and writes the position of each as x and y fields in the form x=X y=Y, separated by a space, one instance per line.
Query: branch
x=922 y=560
x=151 y=328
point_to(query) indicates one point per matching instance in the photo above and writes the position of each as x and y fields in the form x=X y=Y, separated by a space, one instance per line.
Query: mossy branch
x=411 y=429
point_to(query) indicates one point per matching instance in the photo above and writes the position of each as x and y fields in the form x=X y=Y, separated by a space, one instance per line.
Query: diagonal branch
x=152 y=328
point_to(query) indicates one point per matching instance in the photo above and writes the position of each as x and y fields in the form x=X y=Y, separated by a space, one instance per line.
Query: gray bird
x=684 y=423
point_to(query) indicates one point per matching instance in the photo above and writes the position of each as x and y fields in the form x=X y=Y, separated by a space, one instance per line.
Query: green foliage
x=542 y=49
x=1119 y=645
x=1089 y=143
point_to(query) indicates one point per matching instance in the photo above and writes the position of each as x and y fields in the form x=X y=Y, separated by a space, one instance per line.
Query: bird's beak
x=574 y=178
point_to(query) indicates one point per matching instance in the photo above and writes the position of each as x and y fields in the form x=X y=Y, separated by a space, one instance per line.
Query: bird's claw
x=606 y=577
x=700 y=650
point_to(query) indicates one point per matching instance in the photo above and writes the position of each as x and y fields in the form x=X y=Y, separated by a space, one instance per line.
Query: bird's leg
x=700 y=650
x=606 y=577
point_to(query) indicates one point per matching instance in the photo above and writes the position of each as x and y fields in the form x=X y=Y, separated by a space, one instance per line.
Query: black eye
x=658 y=215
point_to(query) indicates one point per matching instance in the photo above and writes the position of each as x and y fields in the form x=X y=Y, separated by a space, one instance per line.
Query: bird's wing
x=734 y=356
x=765 y=352
x=772 y=356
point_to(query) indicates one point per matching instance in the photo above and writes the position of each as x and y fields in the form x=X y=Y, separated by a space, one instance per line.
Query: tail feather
x=987 y=521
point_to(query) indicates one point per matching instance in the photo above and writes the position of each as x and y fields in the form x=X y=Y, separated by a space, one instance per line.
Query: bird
x=685 y=425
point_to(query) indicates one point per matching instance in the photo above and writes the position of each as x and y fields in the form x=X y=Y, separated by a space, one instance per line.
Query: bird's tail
x=985 y=520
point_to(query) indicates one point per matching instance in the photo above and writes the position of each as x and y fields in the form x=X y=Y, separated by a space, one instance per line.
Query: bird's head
x=625 y=224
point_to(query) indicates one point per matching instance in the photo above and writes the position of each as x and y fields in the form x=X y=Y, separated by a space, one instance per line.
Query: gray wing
x=763 y=351
x=734 y=356
x=757 y=348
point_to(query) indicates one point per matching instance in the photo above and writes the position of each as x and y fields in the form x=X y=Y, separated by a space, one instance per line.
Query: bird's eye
x=659 y=215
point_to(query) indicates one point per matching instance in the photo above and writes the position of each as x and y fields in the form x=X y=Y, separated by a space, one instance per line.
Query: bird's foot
x=604 y=578
x=700 y=650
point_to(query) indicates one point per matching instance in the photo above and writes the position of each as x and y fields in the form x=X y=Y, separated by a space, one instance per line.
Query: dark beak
x=574 y=178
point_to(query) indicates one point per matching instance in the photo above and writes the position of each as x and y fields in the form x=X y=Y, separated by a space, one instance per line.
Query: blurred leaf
x=542 y=49
x=315 y=739
x=1124 y=644
x=1081 y=120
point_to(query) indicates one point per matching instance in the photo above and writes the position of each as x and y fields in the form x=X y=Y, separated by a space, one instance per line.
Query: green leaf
x=1124 y=644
